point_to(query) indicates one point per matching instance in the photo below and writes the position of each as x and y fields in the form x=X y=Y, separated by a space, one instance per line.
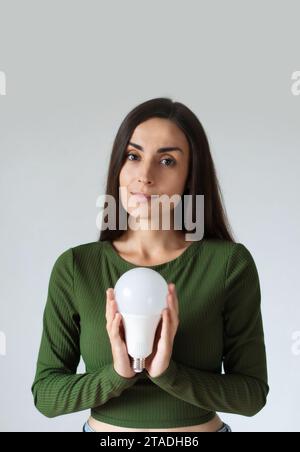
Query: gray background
x=74 y=69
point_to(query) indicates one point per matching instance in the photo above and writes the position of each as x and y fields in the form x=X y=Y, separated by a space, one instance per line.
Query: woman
x=213 y=316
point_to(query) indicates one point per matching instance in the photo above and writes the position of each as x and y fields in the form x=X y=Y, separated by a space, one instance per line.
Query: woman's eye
x=130 y=154
x=171 y=161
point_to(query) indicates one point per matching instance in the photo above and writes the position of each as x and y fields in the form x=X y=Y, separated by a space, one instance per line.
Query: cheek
x=128 y=169
x=124 y=178
x=175 y=181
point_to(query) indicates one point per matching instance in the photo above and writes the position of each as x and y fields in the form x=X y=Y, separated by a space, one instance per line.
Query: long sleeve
x=57 y=389
x=243 y=388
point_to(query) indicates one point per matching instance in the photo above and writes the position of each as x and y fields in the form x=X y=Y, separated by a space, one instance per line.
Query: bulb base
x=138 y=364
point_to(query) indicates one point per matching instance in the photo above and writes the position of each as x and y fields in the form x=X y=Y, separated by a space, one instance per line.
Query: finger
x=172 y=310
x=121 y=335
x=115 y=330
x=110 y=306
x=165 y=329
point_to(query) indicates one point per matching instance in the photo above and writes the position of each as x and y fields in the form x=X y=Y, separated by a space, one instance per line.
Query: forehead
x=159 y=132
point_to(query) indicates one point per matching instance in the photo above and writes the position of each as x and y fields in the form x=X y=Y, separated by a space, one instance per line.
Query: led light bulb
x=141 y=295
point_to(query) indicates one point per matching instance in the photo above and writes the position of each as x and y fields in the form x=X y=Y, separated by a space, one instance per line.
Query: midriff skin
x=211 y=426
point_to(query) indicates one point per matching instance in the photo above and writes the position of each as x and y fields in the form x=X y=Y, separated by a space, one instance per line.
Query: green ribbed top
x=220 y=323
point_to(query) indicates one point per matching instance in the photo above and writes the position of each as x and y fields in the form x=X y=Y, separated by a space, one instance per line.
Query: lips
x=143 y=196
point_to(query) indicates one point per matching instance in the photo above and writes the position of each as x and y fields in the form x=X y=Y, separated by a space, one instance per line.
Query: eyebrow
x=160 y=150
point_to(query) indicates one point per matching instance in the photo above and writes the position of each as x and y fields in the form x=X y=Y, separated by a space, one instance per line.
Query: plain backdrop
x=73 y=70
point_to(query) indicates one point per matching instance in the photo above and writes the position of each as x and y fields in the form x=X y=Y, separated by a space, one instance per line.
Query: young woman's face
x=151 y=170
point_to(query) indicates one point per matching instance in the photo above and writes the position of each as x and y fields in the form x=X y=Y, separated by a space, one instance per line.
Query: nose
x=145 y=175
x=145 y=180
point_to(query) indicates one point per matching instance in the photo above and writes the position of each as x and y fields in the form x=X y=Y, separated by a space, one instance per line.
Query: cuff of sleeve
x=167 y=377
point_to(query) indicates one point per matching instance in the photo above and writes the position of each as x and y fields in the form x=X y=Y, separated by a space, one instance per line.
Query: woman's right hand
x=116 y=333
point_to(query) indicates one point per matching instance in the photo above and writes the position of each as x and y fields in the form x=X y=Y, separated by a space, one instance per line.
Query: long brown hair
x=201 y=178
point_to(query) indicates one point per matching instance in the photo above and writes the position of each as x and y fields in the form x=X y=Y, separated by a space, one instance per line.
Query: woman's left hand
x=159 y=360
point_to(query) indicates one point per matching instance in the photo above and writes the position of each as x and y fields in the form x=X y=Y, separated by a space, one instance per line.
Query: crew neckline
x=186 y=254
